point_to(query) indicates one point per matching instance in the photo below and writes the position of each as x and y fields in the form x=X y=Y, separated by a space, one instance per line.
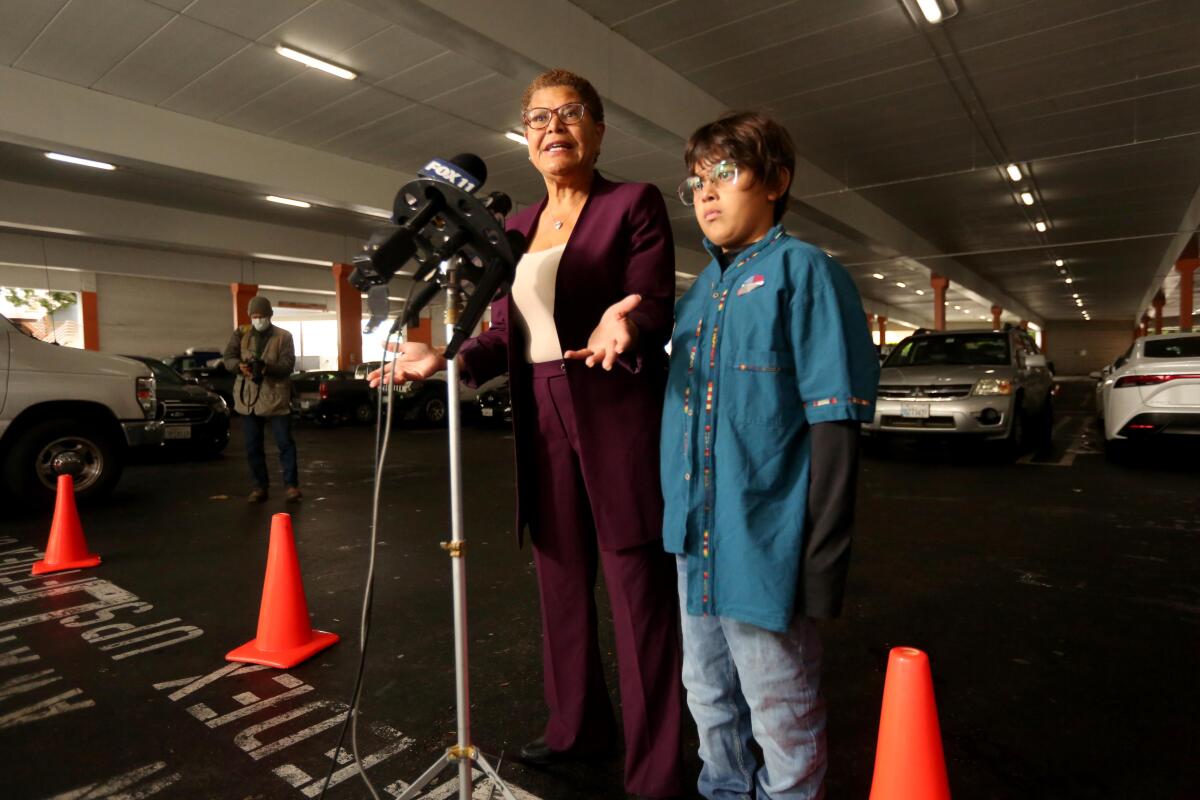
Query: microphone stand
x=464 y=752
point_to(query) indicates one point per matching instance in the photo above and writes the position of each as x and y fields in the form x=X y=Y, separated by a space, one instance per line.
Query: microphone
x=391 y=247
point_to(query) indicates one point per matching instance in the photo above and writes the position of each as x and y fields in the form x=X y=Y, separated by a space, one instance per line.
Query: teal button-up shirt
x=776 y=343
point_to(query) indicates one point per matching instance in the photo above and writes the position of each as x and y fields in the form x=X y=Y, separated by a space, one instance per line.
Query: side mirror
x=1037 y=361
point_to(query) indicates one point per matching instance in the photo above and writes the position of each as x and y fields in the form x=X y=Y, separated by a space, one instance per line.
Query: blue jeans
x=747 y=682
x=281 y=431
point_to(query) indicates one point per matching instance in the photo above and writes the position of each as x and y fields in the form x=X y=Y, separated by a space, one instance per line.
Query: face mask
x=261 y=323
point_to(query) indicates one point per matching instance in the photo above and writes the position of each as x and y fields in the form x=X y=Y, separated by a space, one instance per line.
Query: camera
x=257 y=369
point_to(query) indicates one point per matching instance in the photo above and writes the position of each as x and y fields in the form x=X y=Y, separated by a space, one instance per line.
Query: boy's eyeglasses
x=725 y=173
x=569 y=114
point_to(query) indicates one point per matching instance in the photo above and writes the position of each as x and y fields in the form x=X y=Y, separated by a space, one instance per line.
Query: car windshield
x=1181 y=347
x=984 y=349
x=162 y=373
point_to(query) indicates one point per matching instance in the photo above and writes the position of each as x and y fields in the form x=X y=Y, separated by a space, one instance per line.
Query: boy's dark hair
x=752 y=139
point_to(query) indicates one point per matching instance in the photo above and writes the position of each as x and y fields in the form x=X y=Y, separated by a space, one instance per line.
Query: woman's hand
x=615 y=334
x=414 y=361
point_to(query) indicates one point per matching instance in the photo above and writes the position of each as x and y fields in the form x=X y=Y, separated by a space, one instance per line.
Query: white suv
x=68 y=410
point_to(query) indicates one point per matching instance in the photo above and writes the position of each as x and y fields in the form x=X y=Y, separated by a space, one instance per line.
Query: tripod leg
x=495 y=776
x=421 y=782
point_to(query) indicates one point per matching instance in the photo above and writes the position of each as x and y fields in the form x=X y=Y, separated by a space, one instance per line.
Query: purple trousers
x=641 y=590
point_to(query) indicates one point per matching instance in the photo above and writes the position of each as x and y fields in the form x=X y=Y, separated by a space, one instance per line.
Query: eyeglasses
x=725 y=173
x=569 y=114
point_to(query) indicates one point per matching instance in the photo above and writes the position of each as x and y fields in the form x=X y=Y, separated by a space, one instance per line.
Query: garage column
x=349 y=317
x=996 y=312
x=1187 y=287
x=242 y=292
x=939 y=284
x=421 y=332
x=89 y=311
x=882 y=320
x=871 y=325
x=1158 y=302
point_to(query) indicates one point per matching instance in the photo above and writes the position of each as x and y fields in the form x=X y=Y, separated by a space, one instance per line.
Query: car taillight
x=323 y=390
x=1150 y=380
x=146 y=395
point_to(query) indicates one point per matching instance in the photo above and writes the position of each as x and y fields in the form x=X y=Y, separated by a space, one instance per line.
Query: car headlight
x=147 y=395
x=987 y=387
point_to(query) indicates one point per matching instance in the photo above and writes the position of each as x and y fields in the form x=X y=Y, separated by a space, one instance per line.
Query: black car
x=195 y=418
x=495 y=404
x=332 y=396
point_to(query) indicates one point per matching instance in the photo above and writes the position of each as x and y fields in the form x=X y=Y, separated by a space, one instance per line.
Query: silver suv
x=993 y=384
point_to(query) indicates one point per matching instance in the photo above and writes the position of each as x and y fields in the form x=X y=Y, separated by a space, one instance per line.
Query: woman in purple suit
x=596 y=288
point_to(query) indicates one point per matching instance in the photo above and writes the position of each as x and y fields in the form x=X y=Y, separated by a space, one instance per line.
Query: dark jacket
x=621 y=245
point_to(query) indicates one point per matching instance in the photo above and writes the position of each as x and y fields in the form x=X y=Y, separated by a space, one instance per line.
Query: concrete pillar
x=89 y=312
x=421 y=332
x=996 y=312
x=871 y=325
x=242 y=292
x=1145 y=327
x=940 y=284
x=1159 y=301
x=1186 y=267
x=349 y=317
x=882 y=320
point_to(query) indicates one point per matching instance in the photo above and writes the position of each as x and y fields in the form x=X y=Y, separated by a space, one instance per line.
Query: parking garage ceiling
x=904 y=129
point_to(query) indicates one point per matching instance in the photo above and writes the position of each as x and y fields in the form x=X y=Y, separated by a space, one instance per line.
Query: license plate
x=177 y=433
x=487 y=412
x=914 y=410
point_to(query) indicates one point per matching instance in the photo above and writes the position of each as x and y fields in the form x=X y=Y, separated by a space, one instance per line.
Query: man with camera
x=263 y=357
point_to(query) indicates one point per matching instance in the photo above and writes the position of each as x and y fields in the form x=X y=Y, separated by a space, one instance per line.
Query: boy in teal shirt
x=772 y=371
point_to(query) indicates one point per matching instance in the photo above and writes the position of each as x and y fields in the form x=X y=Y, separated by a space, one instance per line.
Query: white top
x=533 y=299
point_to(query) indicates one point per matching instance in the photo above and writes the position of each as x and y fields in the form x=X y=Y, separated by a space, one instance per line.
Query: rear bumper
x=1161 y=424
x=972 y=416
x=143 y=432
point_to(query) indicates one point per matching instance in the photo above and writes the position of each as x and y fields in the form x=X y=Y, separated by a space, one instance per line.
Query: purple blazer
x=621 y=245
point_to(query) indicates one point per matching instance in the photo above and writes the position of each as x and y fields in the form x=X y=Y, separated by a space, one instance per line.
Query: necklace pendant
x=557 y=225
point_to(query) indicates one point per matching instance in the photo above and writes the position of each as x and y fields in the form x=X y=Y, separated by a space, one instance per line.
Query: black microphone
x=497 y=276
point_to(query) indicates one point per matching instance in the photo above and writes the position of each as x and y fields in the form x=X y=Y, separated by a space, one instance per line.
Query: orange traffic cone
x=285 y=636
x=909 y=764
x=66 y=548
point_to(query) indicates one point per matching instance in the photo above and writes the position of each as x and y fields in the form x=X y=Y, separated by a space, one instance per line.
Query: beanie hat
x=259 y=305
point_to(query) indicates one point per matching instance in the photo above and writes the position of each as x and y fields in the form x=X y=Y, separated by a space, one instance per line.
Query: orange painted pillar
x=349 y=317
x=940 y=284
x=1158 y=302
x=421 y=332
x=871 y=325
x=1024 y=324
x=484 y=325
x=1145 y=324
x=882 y=321
x=996 y=312
x=1187 y=289
x=242 y=292
x=89 y=306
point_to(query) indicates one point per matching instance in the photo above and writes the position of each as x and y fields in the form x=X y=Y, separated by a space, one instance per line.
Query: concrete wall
x=147 y=317
x=1077 y=348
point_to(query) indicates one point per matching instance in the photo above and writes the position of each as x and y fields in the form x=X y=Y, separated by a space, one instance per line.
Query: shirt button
x=687 y=476
x=716 y=296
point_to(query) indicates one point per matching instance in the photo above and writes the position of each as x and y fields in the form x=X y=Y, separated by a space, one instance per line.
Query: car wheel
x=1014 y=443
x=30 y=467
x=364 y=413
x=433 y=409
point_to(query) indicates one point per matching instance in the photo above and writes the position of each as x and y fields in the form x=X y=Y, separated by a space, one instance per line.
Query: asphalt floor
x=1057 y=596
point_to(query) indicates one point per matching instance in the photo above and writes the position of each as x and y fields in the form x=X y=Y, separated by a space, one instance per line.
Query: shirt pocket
x=759 y=388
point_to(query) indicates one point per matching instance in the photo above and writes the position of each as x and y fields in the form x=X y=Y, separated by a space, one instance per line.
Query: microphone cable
x=383 y=430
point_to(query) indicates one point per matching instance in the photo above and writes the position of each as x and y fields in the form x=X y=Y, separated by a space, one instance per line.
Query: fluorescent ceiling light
x=1027 y=198
x=1070 y=281
x=274 y=257
x=932 y=11
x=513 y=136
x=287 y=201
x=315 y=63
x=1076 y=295
x=920 y=291
x=901 y=284
x=877 y=276
x=1041 y=226
x=958 y=308
x=1059 y=262
x=82 y=162
x=1014 y=172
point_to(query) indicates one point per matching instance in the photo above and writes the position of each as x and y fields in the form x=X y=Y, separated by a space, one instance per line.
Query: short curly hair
x=751 y=138
x=562 y=77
